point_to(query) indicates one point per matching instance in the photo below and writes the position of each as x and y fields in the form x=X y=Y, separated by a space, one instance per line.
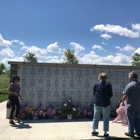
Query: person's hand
x=21 y=98
x=16 y=93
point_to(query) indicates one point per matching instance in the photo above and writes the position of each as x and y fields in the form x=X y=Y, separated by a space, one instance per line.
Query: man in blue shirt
x=132 y=96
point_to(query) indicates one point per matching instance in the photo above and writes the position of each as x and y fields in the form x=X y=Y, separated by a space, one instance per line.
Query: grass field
x=4 y=82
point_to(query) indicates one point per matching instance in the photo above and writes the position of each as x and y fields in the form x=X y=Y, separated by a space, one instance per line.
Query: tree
x=30 y=57
x=69 y=57
x=136 y=59
x=2 y=68
x=7 y=71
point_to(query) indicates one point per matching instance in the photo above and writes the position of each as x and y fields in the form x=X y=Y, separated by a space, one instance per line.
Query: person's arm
x=111 y=92
x=94 y=88
x=124 y=98
x=19 y=94
x=12 y=92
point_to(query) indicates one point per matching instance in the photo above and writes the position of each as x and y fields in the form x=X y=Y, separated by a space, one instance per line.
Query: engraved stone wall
x=47 y=83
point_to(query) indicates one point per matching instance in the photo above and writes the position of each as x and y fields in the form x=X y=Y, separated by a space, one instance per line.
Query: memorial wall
x=45 y=83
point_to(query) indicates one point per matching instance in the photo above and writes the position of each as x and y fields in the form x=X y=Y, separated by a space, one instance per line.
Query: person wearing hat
x=131 y=96
x=14 y=94
x=102 y=92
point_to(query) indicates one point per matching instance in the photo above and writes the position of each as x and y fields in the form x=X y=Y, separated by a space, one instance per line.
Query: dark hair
x=120 y=100
x=16 y=78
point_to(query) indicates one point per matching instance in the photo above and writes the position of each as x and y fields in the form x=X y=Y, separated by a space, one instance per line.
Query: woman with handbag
x=14 y=94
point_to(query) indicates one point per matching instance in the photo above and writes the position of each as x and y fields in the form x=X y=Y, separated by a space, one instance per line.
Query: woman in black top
x=102 y=92
x=14 y=90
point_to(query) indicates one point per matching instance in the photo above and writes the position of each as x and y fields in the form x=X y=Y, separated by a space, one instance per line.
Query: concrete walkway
x=76 y=129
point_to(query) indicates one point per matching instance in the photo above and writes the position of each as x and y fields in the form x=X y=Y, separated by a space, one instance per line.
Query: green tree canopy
x=136 y=59
x=69 y=57
x=2 y=68
x=30 y=57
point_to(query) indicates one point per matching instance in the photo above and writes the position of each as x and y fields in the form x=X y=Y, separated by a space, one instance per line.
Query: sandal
x=17 y=120
x=11 y=122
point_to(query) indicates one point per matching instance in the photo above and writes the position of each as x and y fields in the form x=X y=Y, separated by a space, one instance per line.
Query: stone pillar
x=13 y=71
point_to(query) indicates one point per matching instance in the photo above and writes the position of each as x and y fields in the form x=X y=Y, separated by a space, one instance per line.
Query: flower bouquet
x=67 y=109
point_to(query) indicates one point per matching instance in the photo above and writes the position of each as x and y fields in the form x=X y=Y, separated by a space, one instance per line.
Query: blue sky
x=100 y=32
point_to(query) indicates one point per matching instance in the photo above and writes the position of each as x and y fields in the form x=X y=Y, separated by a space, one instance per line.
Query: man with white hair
x=132 y=96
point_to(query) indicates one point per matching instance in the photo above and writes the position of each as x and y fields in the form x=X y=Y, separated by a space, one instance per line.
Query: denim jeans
x=133 y=118
x=106 y=115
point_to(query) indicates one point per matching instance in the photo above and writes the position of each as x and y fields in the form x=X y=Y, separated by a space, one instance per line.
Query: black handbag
x=8 y=105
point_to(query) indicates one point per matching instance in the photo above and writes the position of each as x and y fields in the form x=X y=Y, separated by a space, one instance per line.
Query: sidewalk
x=77 y=129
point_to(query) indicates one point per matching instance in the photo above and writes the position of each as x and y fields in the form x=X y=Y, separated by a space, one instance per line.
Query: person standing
x=131 y=95
x=14 y=94
x=102 y=92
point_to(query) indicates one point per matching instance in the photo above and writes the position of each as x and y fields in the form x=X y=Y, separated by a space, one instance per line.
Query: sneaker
x=95 y=133
x=127 y=134
x=106 y=135
x=137 y=134
x=11 y=122
x=17 y=120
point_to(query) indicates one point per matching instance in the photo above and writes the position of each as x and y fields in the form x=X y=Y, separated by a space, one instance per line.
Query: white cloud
x=54 y=48
x=39 y=52
x=104 y=43
x=127 y=48
x=97 y=47
x=7 y=52
x=18 y=41
x=106 y=36
x=93 y=58
x=4 y=42
x=54 y=59
x=77 y=47
x=137 y=51
x=136 y=27
x=15 y=41
x=117 y=29
x=5 y=60
x=21 y=43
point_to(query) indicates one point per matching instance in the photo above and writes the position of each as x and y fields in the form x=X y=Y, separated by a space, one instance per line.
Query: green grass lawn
x=4 y=82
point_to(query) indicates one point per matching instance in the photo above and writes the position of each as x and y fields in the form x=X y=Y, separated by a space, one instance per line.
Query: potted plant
x=67 y=109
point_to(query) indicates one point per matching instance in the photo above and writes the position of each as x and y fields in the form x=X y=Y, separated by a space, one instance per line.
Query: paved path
x=76 y=129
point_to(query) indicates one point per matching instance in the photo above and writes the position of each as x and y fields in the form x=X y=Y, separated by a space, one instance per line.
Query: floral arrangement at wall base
x=67 y=111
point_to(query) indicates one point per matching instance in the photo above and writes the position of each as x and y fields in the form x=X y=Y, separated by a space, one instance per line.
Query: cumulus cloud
x=127 y=48
x=21 y=43
x=18 y=41
x=137 y=50
x=19 y=59
x=7 y=52
x=4 y=43
x=77 y=47
x=54 y=59
x=54 y=48
x=15 y=41
x=117 y=59
x=117 y=29
x=39 y=52
x=136 y=27
x=106 y=36
x=97 y=47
